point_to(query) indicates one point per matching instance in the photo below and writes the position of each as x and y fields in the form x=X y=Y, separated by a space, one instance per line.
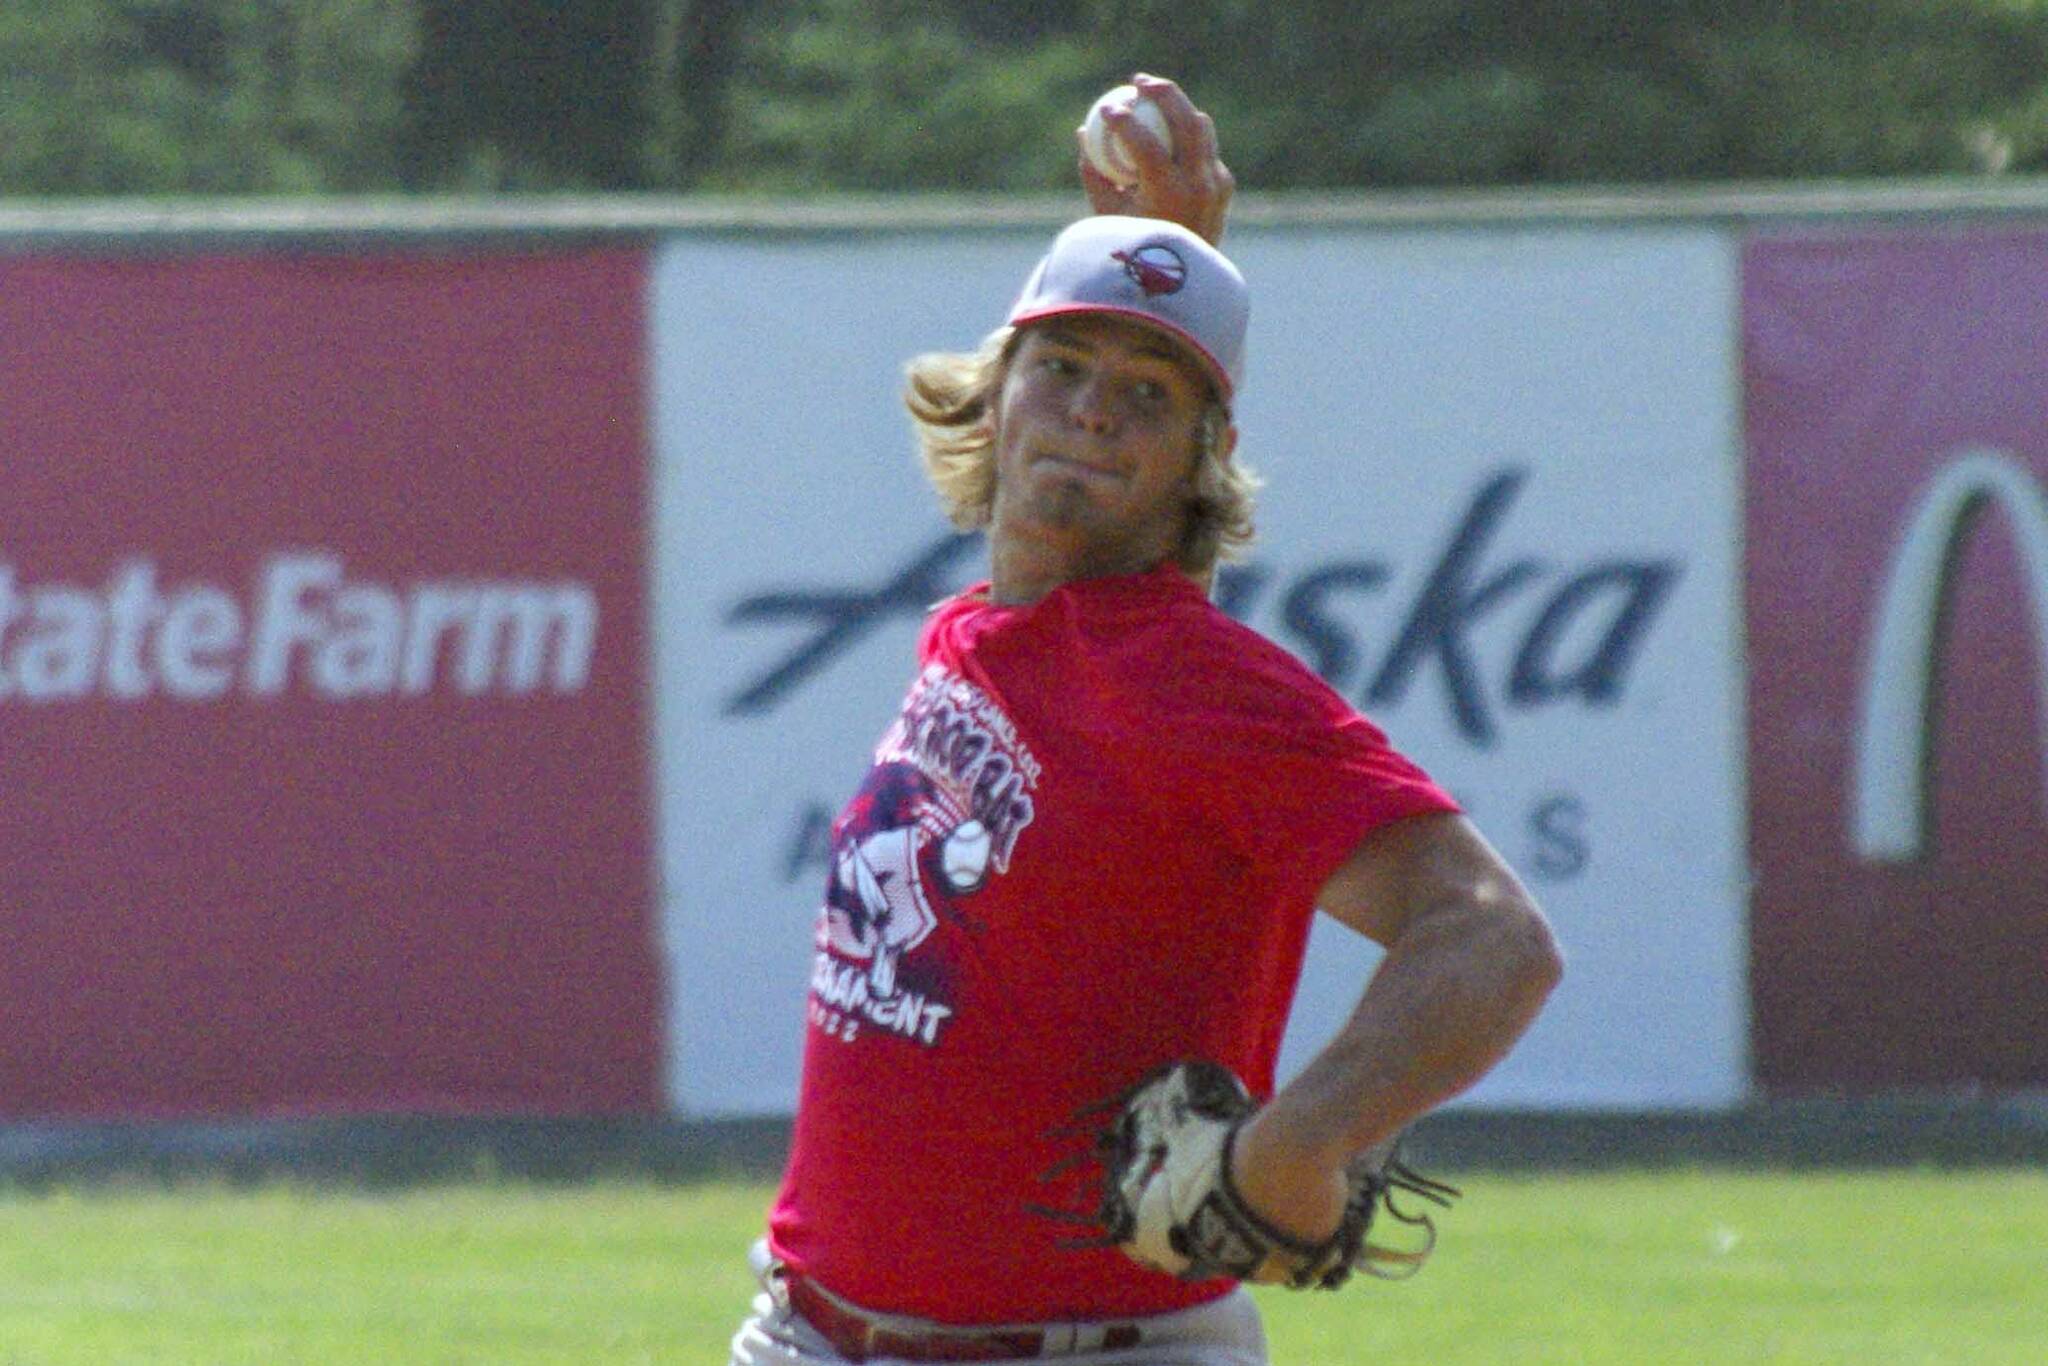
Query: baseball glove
x=1167 y=1199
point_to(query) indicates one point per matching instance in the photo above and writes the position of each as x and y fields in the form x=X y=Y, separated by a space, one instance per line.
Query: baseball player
x=1069 y=904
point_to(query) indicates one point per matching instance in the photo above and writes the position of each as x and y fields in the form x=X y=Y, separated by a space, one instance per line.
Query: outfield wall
x=432 y=648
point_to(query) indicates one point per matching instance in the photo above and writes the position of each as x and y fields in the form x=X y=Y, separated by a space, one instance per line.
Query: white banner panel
x=1502 y=516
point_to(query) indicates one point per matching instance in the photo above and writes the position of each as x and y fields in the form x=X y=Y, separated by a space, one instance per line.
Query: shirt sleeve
x=1288 y=772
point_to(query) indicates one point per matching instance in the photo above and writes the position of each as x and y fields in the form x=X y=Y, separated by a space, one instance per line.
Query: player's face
x=1096 y=444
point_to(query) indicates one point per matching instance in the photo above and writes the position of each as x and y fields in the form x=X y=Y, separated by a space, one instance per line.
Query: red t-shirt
x=1090 y=844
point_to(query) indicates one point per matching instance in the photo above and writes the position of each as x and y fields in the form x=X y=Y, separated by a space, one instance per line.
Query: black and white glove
x=1167 y=1199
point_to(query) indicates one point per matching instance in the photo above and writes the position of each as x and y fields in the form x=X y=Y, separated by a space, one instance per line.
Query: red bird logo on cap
x=1155 y=269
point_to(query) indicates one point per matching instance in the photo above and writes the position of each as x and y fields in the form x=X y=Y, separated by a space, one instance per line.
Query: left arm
x=1470 y=960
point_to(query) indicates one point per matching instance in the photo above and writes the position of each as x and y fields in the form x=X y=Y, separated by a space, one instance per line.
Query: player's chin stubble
x=1049 y=506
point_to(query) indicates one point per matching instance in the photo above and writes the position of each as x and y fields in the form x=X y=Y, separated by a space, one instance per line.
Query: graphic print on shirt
x=938 y=815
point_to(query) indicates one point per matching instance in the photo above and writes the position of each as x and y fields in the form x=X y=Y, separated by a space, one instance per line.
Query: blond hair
x=950 y=396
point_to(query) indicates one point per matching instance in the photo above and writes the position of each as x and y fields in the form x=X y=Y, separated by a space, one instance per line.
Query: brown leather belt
x=859 y=1336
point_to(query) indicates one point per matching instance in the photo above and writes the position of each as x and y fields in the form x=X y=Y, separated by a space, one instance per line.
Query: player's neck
x=1023 y=570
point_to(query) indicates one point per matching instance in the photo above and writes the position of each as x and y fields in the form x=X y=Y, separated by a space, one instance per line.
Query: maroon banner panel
x=323 y=670
x=1897 y=606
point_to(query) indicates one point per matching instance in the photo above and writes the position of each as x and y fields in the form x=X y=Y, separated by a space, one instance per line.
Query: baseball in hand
x=1105 y=150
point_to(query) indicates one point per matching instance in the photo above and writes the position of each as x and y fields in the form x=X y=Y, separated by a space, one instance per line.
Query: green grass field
x=1862 y=1268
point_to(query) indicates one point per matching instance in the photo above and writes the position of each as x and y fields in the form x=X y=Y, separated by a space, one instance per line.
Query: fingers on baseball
x=1104 y=194
x=1193 y=133
x=1149 y=156
x=1191 y=128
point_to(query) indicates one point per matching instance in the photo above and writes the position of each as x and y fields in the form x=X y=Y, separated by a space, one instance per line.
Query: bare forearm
x=1453 y=994
x=1449 y=1000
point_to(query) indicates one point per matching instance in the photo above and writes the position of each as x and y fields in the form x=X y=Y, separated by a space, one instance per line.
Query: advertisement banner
x=1502 y=517
x=1897 y=611
x=322 y=663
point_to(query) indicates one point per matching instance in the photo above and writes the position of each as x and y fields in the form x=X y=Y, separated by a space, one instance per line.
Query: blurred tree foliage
x=902 y=94
x=1527 y=91
x=530 y=94
x=162 y=96
x=795 y=96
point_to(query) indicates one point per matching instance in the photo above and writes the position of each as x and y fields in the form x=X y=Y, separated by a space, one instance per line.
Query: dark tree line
x=803 y=96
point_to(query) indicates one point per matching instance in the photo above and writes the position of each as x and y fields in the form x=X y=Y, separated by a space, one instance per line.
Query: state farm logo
x=305 y=625
x=1889 y=796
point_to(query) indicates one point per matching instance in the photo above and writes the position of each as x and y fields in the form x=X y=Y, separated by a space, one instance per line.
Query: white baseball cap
x=1153 y=271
